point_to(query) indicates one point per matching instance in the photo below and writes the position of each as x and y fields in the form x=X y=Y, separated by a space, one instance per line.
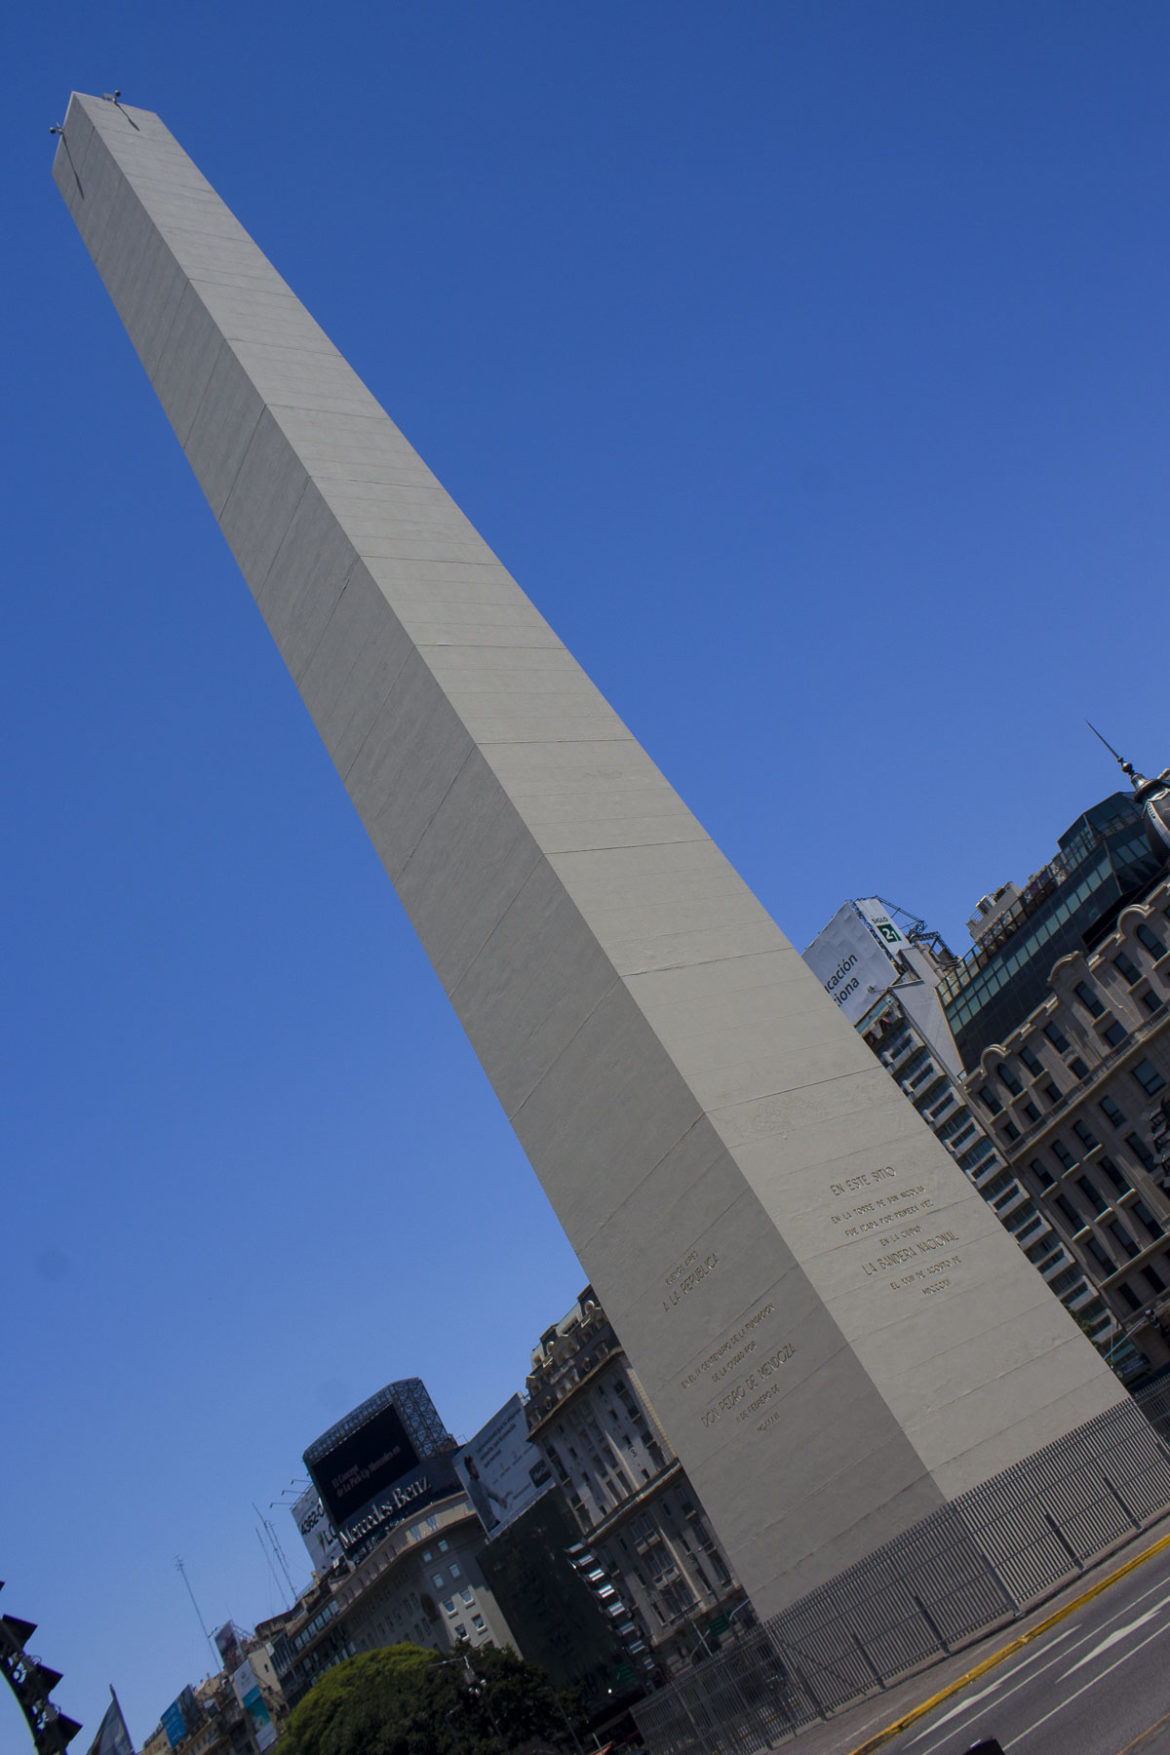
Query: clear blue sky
x=808 y=366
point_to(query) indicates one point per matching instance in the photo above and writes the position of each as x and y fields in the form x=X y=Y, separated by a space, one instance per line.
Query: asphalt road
x=1097 y=1684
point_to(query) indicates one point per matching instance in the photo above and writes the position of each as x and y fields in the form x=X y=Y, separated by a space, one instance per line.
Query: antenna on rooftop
x=182 y=1572
x=1126 y=767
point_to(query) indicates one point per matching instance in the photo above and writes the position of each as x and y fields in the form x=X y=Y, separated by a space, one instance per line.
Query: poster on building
x=501 y=1469
x=247 y=1691
x=873 y=909
x=316 y=1531
x=362 y=1464
x=853 y=962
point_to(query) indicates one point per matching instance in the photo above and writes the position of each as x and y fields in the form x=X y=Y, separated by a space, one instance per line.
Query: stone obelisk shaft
x=836 y=1332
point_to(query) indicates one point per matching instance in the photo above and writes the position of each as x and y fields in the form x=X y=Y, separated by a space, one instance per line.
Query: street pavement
x=1096 y=1683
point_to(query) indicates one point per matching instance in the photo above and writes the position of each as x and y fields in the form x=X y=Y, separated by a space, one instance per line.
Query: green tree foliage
x=404 y=1700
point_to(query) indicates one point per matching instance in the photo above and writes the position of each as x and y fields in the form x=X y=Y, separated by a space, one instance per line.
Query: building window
x=1031 y=1112
x=1111 y=1112
x=1077 y=1067
x=1104 y=1261
x=438 y=1580
x=1151 y=1001
x=444 y=1545
x=1156 y=1282
x=1115 y=1034
x=1127 y=968
x=1008 y=1080
x=990 y=1101
x=1093 y=1194
x=1011 y=1132
x=459 y=1630
x=1151 y=941
x=1112 y=1174
x=1130 y=1296
x=1088 y=999
x=1057 y=1037
x=1034 y=1065
x=1148 y=1077
x=449 y=1606
x=467 y=1595
x=1062 y=1155
x=1052 y=1092
x=1142 y=1213
x=1141 y=1151
x=1087 y=1138
x=1043 y=1176
x=1122 y=1237
x=478 y=1622
x=1070 y=1212
x=455 y=1572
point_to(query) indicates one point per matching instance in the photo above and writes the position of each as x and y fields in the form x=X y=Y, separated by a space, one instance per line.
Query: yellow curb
x=998 y=1657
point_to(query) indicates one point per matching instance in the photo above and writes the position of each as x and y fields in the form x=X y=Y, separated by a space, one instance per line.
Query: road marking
x=1092 y=1684
x=1009 y=1676
x=1116 y=1637
x=998 y=1657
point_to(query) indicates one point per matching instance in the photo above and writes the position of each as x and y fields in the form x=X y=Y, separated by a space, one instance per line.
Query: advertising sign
x=316 y=1531
x=247 y=1690
x=363 y=1464
x=871 y=908
x=501 y=1470
x=433 y=1478
x=850 y=959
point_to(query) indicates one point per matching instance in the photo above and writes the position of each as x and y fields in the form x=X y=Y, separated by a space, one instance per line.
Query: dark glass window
x=1008 y=1080
x=1145 y=1217
x=1122 y=1237
x=1111 y=1173
x=1052 y=1092
x=1151 y=1001
x=1093 y=1194
x=1127 y=968
x=1010 y=1131
x=1104 y=1261
x=1084 y=1134
x=1115 y=1034
x=1157 y=1283
x=1031 y=1111
x=1033 y=1063
x=1062 y=1154
x=1077 y=1067
x=1148 y=1077
x=1130 y=1296
x=1088 y=999
x=1043 y=1175
x=1057 y=1037
x=989 y=1100
x=1112 y=1113
x=1151 y=941
x=1140 y=1150
x=1070 y=1212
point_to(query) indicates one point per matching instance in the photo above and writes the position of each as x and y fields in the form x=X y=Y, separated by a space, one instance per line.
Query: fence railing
x=970 y=1565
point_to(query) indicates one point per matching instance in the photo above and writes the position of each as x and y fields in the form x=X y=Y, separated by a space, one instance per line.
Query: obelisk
x=836 y=1332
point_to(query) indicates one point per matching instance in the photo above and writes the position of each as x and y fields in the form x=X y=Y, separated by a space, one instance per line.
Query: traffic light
x=32 y=1683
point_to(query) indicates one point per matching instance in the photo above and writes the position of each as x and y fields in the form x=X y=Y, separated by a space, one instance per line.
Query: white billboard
x=502 y=1471
x=316 y=1531
x=853 y=956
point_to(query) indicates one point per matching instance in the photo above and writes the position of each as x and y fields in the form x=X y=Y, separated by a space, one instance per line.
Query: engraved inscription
x=880 y=1217
x=690 y=1272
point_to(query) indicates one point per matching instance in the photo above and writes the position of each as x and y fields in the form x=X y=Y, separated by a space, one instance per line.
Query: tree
x=404 y=1700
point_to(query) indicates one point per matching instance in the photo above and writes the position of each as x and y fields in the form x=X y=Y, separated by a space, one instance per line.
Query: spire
x=1126 y=767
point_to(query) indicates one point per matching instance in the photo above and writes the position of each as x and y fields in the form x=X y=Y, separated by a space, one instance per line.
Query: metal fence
x=1154 y=1403
x=972 y=1564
